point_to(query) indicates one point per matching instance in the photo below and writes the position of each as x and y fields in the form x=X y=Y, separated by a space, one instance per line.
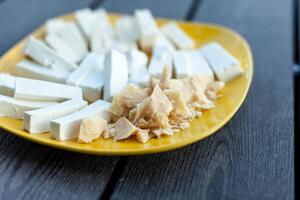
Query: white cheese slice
x=38 y=121
x=53 y=25
x=137 y=64
x=67 y=127
x=182 y=64
x=30 y=89
x=225 y=66
x=15 y=108
x=7 y=84
x=148 y=30
x=161 y=57
x=85 y=19
x=91 y=62
x=92 y=85
x=42 y=54
x=72 y=36
x=180 y=39
x=116 y=74
x=29 y=69
x=127 y=30
x=62 y=48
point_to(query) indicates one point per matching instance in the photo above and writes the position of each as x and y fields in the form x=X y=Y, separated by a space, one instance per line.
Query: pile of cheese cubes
x=90 y=60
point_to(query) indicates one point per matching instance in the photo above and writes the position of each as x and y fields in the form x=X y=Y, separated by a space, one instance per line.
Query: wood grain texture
x=31 y=171
x=166 y=8
x=18 y=18
x=252 y=156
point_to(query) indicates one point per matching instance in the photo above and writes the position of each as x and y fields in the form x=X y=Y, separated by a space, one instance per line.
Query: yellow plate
x=233 y=96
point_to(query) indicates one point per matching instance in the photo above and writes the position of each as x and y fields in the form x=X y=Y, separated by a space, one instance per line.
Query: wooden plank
x=167 y=8
x=32 y=171
x=19 y=18
x=252 y=156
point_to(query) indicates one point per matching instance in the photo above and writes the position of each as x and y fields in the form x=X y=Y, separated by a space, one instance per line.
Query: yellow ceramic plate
x=233 y=96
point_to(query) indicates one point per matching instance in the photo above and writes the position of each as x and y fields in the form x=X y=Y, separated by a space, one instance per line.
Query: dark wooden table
x=252 y=157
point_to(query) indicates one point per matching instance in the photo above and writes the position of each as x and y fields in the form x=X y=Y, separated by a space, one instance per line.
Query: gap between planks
x=117 y=172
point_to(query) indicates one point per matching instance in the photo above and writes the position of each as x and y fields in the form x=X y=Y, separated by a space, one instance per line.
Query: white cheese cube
x=225 y=66
x=124 y=46
x=161 y=57
x=38 y=121
x=137 y=64
x=163 y=41
x=72 y=36
x=85 y=19
x=191 y=63
x=116 y=74
x=127 y=30
x=91 y=62
x=148 y=30
x=15 y=108
x=180 y=39
x=92 y=85
x=29 y=69
x=199 y=66
x=37 y=90
x=62 y=48
x=7 y=84
x=42 y=54
x=67 y=127
x=182 y=64
x=53 y=25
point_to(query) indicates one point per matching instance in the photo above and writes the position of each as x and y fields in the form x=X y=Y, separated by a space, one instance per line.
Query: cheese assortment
x=90 y=58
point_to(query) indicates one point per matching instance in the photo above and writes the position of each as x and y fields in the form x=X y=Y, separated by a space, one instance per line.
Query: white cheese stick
x=15 y=108
x=38 y=121
x=182 y=64
x=179 y=38
x=91 y=62
x=116 y=74
x=102 y=36
x=101 y=41
x=7 y=84
x=62 y=48
x=42 y=54
x=67 y=127
x=92 y=85
x=137 y=64
x=225 y=66
x=160 y=58
x=147 y=28
x=85 y=19
x=105 y=24
x=126 y=29
x=30 y=89
x=53 y=25
x=72 y=36
x=29 y=69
